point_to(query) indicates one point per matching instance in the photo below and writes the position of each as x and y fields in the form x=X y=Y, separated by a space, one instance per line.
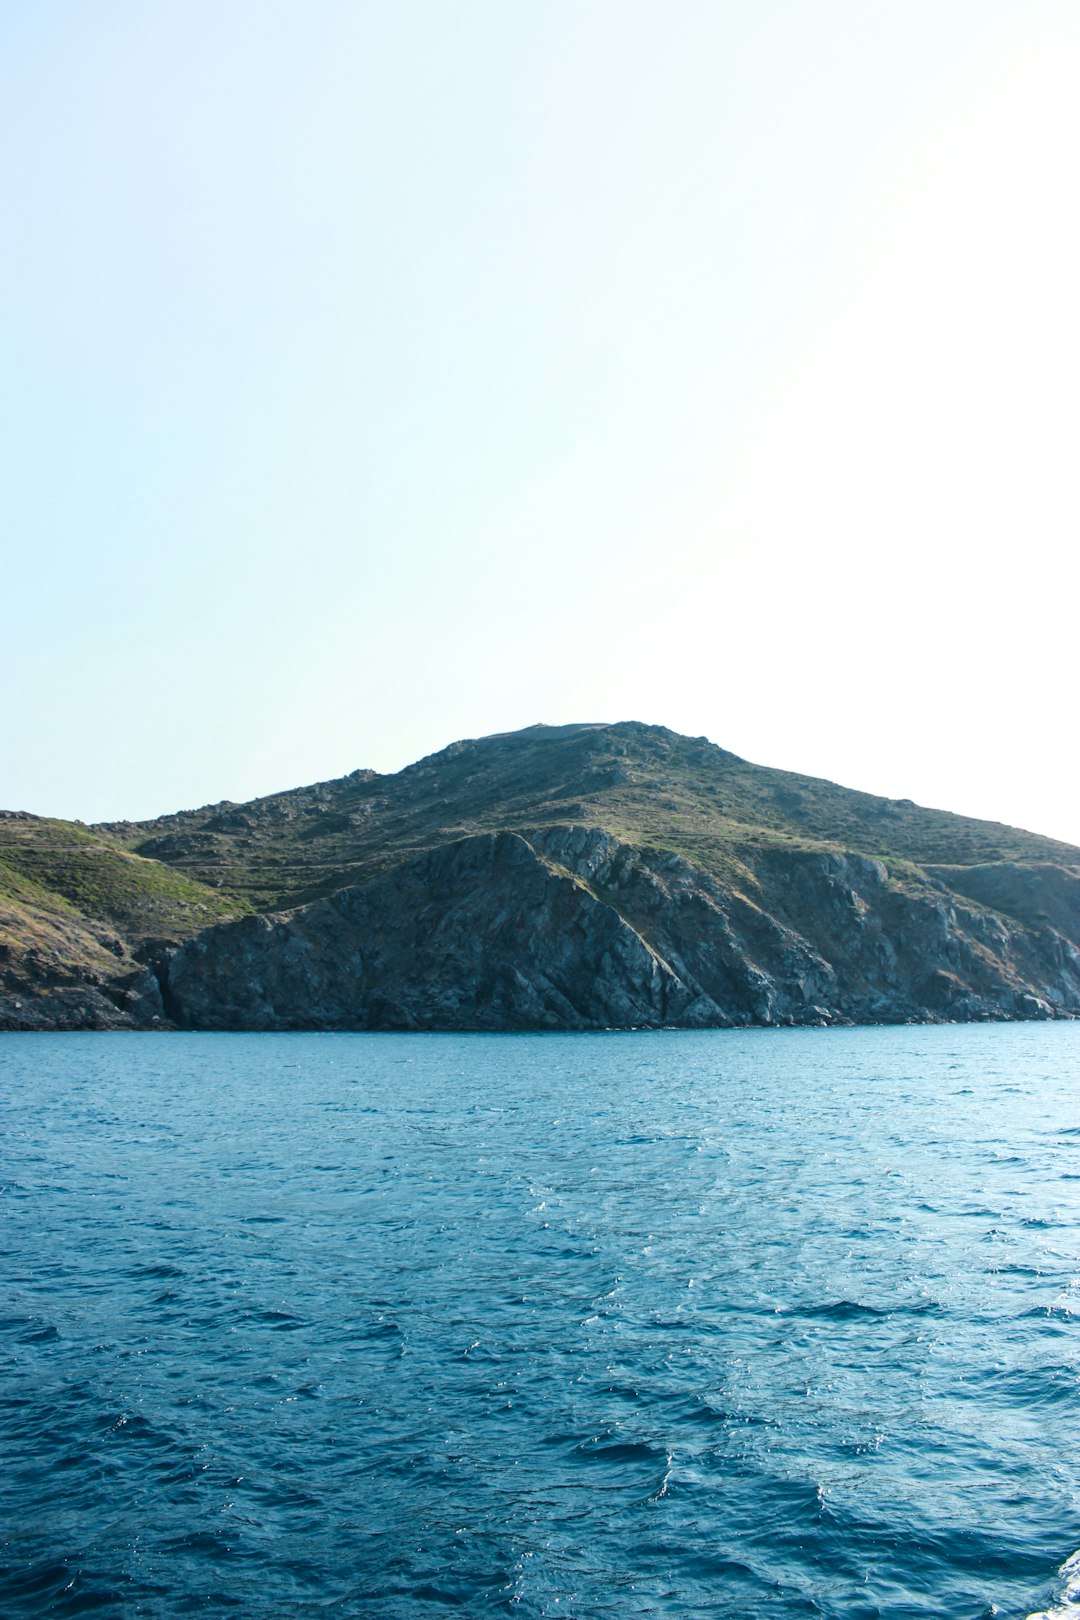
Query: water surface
x=732 y=1323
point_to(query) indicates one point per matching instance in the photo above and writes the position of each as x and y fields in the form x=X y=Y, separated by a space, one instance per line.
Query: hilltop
x=568 y=876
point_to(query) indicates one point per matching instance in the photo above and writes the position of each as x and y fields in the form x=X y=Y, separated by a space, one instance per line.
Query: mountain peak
x=628 y=813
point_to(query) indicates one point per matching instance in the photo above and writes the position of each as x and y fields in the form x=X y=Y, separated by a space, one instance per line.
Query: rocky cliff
x=579 y=878
x=573 y=929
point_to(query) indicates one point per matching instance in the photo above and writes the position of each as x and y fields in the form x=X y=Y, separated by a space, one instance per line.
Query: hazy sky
x=377 y=375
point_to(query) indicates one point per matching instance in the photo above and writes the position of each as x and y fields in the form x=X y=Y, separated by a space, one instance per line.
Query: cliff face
x=573 y=877
x=57 y=972
x=572 y=928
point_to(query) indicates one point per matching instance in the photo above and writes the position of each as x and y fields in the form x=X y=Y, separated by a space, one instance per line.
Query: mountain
x=560 y=877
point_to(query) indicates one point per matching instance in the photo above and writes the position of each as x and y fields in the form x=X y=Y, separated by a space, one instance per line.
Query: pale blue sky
x=375 y=375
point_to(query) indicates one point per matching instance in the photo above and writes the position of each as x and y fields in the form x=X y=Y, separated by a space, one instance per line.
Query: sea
x=730 y=1323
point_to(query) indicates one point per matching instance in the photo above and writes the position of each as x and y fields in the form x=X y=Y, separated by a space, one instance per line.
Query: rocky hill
x=568 y=877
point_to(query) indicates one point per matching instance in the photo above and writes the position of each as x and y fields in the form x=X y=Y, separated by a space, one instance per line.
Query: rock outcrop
x=58 y=973
x=572 y=928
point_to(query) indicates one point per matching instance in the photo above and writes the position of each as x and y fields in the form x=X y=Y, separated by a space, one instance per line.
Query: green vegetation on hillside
x=645 y=784
x=61 y=868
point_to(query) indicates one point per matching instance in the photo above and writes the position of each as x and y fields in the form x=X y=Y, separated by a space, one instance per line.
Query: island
x=576 y=877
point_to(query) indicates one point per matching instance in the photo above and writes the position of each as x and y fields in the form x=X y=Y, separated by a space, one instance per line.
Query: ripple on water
x=724 y=1324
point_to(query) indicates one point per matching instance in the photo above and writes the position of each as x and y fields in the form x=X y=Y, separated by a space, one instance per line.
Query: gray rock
x=570 y=928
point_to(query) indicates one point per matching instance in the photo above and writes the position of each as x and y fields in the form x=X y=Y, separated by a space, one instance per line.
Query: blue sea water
x=735 y=1323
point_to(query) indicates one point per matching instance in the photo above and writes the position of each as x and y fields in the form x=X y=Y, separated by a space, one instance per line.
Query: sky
x=377 y=375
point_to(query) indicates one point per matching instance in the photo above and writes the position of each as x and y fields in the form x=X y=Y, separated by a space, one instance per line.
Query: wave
x=840 y=1310
x=1067 y=1606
